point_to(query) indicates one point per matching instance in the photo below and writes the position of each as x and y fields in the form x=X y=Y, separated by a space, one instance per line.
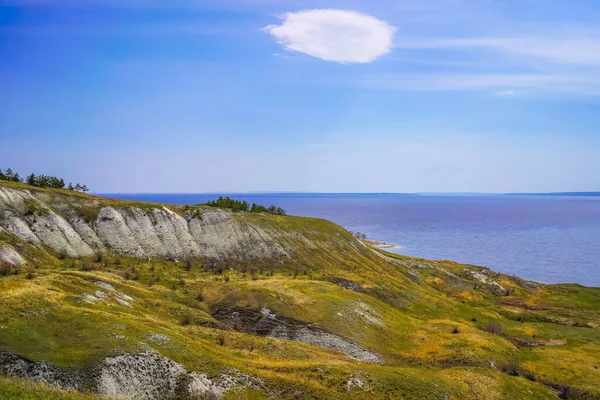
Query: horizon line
x=558 y=193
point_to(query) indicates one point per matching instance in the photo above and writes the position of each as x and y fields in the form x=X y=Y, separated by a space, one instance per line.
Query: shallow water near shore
x=549 y=239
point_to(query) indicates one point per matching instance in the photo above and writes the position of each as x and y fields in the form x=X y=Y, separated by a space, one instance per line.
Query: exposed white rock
x=89 y=298
x=334 y=342
x=481 y=277
x=105 y=285
x=140 y=376
x=201 y=385
x=31 y=220
x=367 y=314
x=326 y=340
x=136 y=232
x=123 y=302
x=355 y=383
x=9 y=255
x=158 y=338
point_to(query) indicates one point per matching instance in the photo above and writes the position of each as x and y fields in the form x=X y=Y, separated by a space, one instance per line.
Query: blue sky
x=330 y=96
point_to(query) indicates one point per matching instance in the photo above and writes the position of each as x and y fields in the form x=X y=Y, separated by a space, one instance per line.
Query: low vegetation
x=440 y=329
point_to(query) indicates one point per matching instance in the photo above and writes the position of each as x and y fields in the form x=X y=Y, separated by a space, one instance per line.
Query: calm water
x=546 y=239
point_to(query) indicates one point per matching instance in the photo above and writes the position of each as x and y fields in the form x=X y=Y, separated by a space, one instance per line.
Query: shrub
x=5 y=268
x=87 y=266
x=511 y=369
x=564 y=391
x=185 y=320
x=455 y=330
x=30 y=272
x=493 y=327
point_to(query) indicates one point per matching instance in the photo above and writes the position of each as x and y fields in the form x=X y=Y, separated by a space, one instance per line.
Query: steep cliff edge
x=138 y=300
x=80 y=226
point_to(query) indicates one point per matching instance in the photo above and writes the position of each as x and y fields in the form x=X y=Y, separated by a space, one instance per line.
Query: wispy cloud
x=506 y=93
x=568 y=84
x=334 y=35
x=581 y=51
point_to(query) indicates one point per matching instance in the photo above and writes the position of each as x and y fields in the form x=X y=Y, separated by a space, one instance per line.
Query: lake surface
x=548 y=239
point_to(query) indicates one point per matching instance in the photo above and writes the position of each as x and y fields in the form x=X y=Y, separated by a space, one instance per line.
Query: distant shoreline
x=342 y=194
x=382 y=245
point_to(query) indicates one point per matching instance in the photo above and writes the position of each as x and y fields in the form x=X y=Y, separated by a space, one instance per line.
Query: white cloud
x=334 y=35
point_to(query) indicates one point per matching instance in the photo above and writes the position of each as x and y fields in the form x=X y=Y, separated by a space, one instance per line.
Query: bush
x=5 y=268
x=511 y=369
x=455 y=330
x=185 y=320
x=87 y=266
x=493 y=327
x=30 y=272
x=564 y=392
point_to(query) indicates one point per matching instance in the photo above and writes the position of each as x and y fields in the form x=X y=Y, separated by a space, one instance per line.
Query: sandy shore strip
x=382 y=245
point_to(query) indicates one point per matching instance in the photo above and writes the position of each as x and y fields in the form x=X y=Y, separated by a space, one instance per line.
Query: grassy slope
x=417 y=304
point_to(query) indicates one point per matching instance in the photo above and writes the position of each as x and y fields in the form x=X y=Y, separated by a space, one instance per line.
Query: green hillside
x=321 y=316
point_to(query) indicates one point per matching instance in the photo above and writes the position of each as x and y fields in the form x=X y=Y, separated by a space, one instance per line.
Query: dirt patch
x=519 y=342
x=522 y=304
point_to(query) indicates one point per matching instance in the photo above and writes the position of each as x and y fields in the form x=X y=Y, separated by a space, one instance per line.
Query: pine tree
x=9 y=174
x=70 y=187
x=31 y=180
x=61 y=183
x=2 y=176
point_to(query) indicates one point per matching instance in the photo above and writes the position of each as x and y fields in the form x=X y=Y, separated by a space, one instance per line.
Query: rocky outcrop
x=268 y=324
x=130 y=231
x=16 y=366
x=146 y=375
x=10 y=256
